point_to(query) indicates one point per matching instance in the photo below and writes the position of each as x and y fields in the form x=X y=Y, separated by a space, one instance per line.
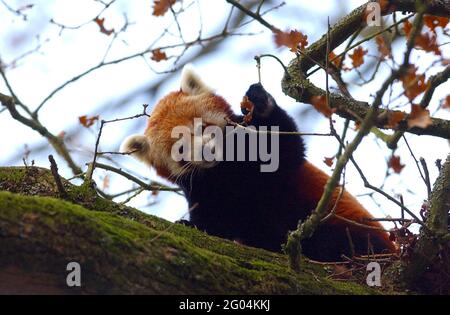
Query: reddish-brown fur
x=253 y=214
x=312 y=181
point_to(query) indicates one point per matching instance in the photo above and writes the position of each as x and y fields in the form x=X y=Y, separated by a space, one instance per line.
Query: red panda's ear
x=137 y=146
x=191 y=83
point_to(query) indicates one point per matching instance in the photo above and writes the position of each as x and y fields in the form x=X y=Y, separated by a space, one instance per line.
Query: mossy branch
x=124 y=251
x=296 y=84
x=306 y=229
x=349 y=24
x=429 y=244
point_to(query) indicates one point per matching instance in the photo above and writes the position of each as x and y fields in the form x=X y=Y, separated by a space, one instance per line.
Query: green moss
x=123 y=250
x=13 y=174
x=120 y=255
x=32 y=179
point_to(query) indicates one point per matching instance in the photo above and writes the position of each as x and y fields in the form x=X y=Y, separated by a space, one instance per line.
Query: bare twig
x=97 y=142
x=286 y=133
x=427 y=176
x=57 y=142
x=350 y=242
x=297 y=86
x=307 y=228
x=59 y=184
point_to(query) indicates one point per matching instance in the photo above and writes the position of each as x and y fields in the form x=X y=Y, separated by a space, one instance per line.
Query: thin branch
x=129 y=57
x=307 y=228
x=135 y=194
x=362 y=41
x=57 y=143
x=297 y=86
x=386 y=195
x=415 y=160
x=277 y=59
x=427 y=176
x=255 y=16
x=59 y=184
x=270 y=132
x=153 y=186
x=97 y=142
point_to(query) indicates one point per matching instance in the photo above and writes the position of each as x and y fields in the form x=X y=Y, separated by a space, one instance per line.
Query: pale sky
x=230 y=70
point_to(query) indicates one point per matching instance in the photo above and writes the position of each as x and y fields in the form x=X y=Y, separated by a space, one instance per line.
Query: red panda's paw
x=263 y=102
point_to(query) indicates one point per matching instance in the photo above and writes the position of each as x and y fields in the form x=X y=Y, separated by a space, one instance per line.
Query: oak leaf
x=101 y=23
x=413 y=83
x=328 y=161
x=419 y=117
x=320 y=104
x=383 y=48
x=384 y=5
x=428 y=43
x=395 y=164
x=293 y=39
x=160 y=7
x=358 y=57
x=247 y=108
x=87 y=121
x=407 y=27
x=334 y=59
x=395 y=118
x=432 y=21
x=341 y=272
x=158 y=55
x=425 y=41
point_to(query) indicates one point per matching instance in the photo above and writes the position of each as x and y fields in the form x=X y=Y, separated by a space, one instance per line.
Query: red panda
x=234 y=199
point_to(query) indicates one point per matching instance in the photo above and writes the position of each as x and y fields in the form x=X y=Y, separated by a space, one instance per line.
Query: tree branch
x=429 y=245
x=434 y=82
x=307 y=228
x=344 y=28
x=296 y=85
x=57 y=143
x=153 y=186
x=302 y=90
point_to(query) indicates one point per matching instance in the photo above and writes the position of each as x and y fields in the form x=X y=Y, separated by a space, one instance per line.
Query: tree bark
x=122 y=250
x=429 y=245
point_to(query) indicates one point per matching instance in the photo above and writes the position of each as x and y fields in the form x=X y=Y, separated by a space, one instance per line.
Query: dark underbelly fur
x=238 y=202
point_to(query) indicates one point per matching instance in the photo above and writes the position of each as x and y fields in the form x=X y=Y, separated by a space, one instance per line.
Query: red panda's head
x=179 y=109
